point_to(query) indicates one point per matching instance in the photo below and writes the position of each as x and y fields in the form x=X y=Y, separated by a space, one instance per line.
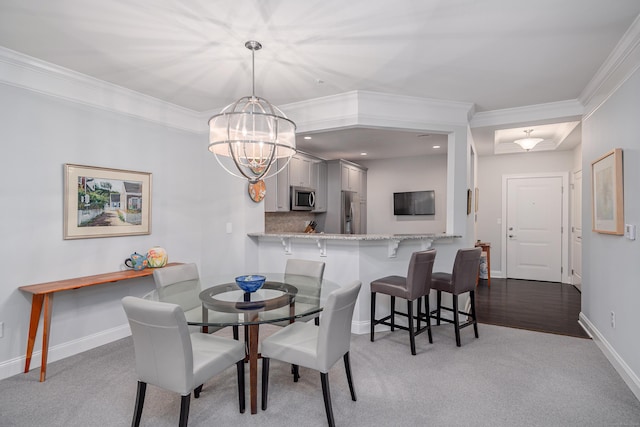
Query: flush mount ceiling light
x=251 y=134
x=528 y=143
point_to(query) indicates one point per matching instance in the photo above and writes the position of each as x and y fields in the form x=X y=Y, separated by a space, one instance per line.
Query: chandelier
x=250 y=135
x=528 y=143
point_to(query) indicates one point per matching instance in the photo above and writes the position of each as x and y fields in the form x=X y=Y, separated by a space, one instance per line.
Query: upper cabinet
x=302 y=171
x=353 y=178
x=350 y=177
x=319 y=171
x=276 y=198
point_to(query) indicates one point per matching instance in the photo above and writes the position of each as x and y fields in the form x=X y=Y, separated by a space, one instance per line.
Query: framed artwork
x=102 y=202
x=607 y=193
x=469 y=201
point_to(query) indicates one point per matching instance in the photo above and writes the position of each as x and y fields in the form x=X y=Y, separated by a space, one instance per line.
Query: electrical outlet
x=613 y=320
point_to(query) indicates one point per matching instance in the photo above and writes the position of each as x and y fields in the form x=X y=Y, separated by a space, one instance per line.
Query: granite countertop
x=329 y=236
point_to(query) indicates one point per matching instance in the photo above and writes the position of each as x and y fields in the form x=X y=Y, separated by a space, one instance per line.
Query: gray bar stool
x=416 y=285
x=462 y=279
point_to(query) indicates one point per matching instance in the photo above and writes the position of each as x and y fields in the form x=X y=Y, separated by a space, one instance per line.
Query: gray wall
x=384 y=177
x=193 y=200
x=611 y=264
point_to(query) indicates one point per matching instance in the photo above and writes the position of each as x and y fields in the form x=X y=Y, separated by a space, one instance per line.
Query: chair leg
x=438 y=308
x=419 y=313
x=324 y=377
x=197 y=390
x=393 y=313
x=241 y=403
x=428 y=310
x=296 y=373
x=184 y=410
x=412 y=332
x=265 y=382
x=347 y=368
x=456 y=319
x=373 y=314
x=137 y=413
x=236 y=335
x=472 y=297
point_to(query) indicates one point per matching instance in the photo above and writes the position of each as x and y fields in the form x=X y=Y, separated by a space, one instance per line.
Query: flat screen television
x=414 y=203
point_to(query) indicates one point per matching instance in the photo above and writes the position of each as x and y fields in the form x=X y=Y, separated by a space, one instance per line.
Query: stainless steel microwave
x=302 y=198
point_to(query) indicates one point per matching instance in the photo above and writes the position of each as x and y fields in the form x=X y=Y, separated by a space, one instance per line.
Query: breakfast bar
x=349 y=257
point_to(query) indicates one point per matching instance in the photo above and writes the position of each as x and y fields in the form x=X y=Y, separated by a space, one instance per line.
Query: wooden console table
x=42 y=294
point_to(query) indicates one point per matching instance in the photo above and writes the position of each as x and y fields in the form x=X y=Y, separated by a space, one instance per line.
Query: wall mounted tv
x=414 y=203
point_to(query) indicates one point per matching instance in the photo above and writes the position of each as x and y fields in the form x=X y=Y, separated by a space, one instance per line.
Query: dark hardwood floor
x=539 y=306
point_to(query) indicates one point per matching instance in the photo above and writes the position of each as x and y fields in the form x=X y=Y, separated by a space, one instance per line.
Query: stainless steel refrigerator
x=350 y=213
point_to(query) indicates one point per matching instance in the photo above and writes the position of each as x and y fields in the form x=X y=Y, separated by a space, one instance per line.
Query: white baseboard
x=630 y=378
x=15 y=366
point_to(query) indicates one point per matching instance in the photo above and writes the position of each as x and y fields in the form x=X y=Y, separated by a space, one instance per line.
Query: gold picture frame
x=105 y=202
x=607 y=201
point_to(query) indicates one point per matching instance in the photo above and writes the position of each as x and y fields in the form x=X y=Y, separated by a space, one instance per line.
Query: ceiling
x=496 y=54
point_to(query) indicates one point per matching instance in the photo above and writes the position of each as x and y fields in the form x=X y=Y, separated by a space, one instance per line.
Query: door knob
x=511 y=236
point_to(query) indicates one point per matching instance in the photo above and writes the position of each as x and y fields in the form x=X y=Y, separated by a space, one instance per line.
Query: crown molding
x=531 y=113
x=374 y=109
x=19 y=70
x=621 y=64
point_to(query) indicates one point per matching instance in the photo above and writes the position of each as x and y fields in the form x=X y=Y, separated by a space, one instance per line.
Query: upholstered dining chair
x=316 y=347
x=462 y=279
x=169 y=356
x=413 y=287
x=179 y=284
x=306 y=275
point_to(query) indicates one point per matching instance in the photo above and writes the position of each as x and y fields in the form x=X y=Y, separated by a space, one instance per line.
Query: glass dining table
x=217 y=302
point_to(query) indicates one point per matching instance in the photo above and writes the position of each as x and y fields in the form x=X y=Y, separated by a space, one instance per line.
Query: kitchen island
x=363 y=257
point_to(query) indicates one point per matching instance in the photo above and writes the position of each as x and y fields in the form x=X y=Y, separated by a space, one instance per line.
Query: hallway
x=539 y=306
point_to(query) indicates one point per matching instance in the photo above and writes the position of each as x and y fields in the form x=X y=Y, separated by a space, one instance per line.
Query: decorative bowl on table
x=250 y=282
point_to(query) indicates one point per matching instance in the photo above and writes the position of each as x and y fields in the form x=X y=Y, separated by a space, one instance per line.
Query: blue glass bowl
x=250 y=282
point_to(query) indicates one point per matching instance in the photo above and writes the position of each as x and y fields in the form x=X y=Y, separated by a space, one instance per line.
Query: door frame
x=566 y=277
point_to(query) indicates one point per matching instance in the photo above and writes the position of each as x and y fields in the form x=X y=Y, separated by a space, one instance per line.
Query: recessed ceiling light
x=436 y=146
x=307 y=137
x=363 y=154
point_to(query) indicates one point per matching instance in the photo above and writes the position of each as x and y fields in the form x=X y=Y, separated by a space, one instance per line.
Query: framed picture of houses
x=104 y=202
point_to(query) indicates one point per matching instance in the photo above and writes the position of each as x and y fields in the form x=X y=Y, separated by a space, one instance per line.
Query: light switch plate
x=630 y=231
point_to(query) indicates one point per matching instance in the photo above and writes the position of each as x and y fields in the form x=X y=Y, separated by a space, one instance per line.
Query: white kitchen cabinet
x=276 y=198
x=319 y=173
x=302 y=171
x=350 y=177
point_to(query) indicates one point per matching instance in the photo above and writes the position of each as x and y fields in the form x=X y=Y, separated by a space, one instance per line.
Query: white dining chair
x=306 y=276
x=316 y=347
x=169 y=356
x=180 y=284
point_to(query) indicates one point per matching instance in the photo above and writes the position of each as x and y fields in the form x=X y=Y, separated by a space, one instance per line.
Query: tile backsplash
x=287 y=222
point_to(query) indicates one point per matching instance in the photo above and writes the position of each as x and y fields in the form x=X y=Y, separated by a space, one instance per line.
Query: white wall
x=192 y=198
x=491 y=169
x=384 y=177
x=611 y=267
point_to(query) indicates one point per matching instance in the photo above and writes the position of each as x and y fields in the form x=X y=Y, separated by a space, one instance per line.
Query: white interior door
x=534 y=228
x=576 y=230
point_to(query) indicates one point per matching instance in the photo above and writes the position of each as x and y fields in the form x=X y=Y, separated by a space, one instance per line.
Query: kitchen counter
x=349 y=257
x=393 y=240
x=331 y=236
